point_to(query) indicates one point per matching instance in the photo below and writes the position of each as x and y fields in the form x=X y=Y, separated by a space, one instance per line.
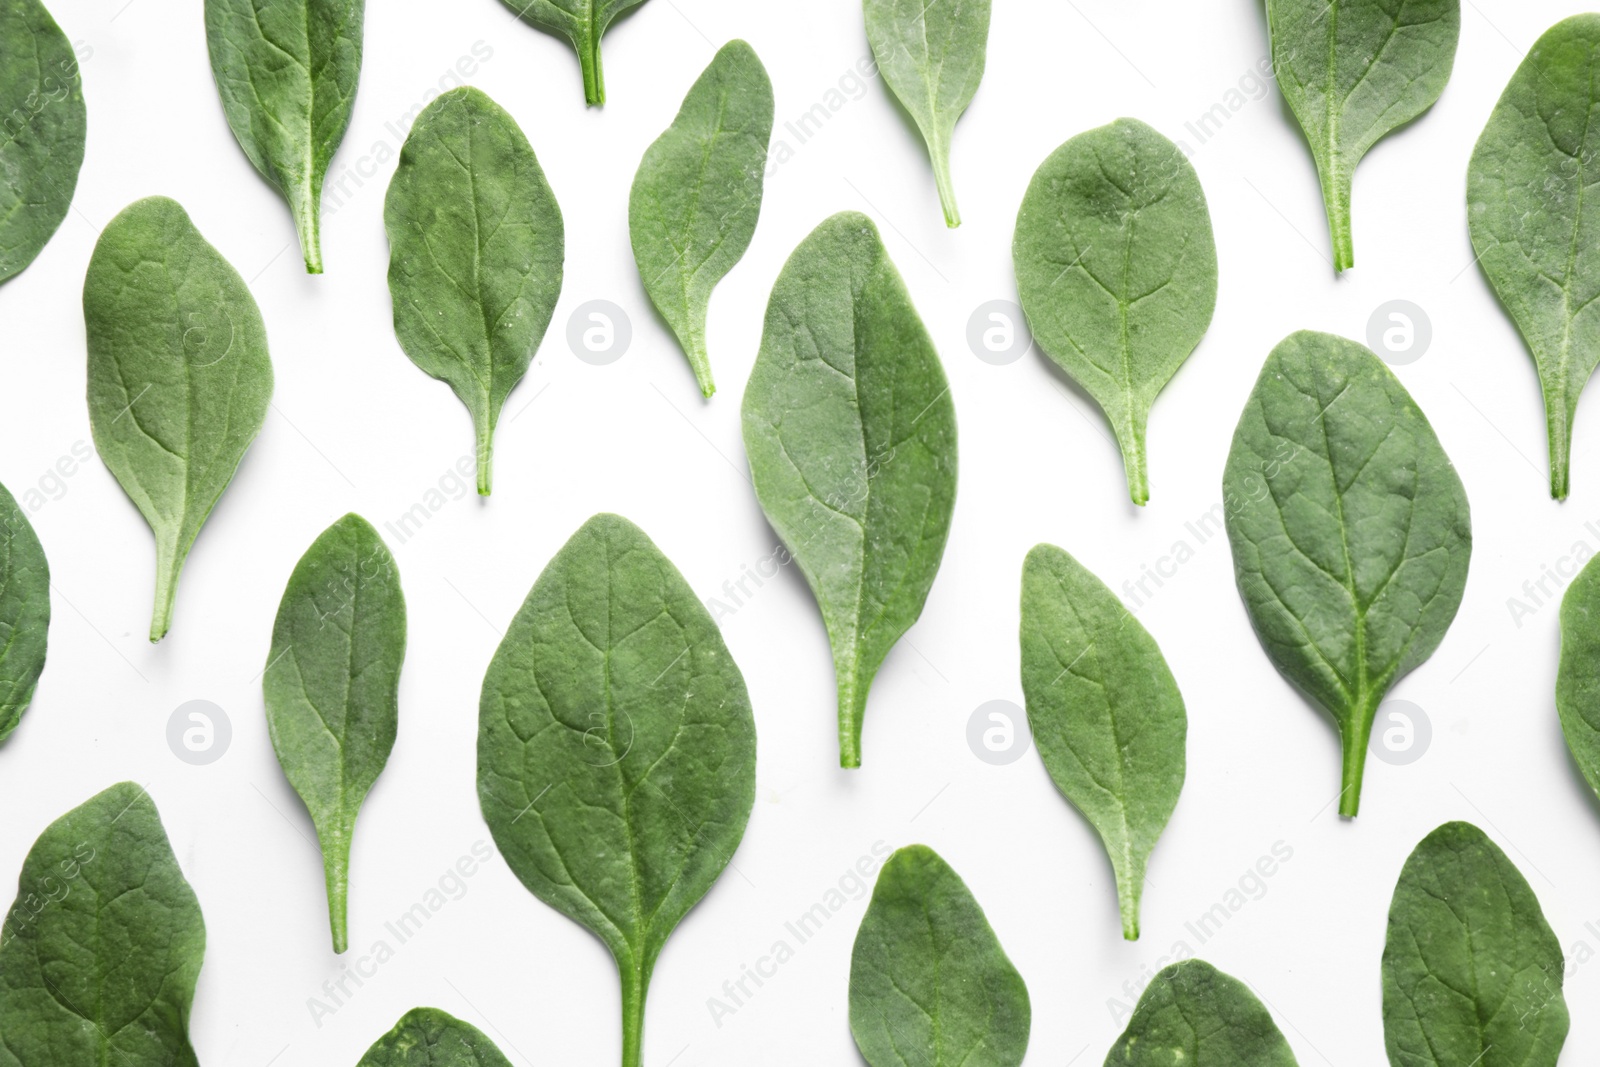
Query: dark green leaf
x=1578 y=680
x=583 y=22
x=1194 y=1015
x=24 y=612
x=428 y=1037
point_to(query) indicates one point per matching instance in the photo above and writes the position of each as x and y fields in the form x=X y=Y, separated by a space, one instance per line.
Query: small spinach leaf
x=476 y=246
x=929 y=982
x=1578 y=679
x=852 y=443
x=1117 y=271
x=102 y=949
x=428 y=1037
x=179 y=378
x=931 y=54
x=697 y=195
x=287 y=74
x=41 y=95
x=24 y=612
x=1350 y=531
x=583 y=22
x=1352 y=71
x=1472 y=973
x=1193 y=1014
x=616 y=749
x=332 y=687
x=1105 y=713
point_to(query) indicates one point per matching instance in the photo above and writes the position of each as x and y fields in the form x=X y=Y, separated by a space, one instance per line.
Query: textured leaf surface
x=1117 y=271
x=428 y=1037
x=697 y=195
x=1193 y=1015
x=1578 y=679
x=583 y=22
x=616 y=748
x=179 y=378
x=1350 y=531
x=24 y=612
x=851 y=436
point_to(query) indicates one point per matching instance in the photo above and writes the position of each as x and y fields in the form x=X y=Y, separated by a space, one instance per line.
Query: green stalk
x=1130 y=884
x=594 y=78
x=485 y=428
x=1336 y=191
x=1354 y=757
x=635 y=984
x=167 y=567
x=939 y=152
x=852 y=710
x=308 y=224
x=336 y=872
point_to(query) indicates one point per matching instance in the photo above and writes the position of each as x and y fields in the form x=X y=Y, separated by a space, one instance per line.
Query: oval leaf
x=1350 y=531
x=428 y=1037
x=1105 y=713
x=929 y=982
x=583 y=22
x=1472 y=973
x=179 y=378
x=24 y=612
x=851 y=437
x=1193 y=1014
x=476 y=246
x=1578 y=679
x=697 y=195
x=1117 y=272
x=616 y=748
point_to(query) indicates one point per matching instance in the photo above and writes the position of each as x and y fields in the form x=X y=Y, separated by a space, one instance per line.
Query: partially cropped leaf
x=476 y=247
x=929 y=983
x=428 y=1037
x=102 y=947
x=697 y=195
x=1191 y=1014
x=24 y=612
x=179 y=378
x=931 y=54
x=1578 y=679
x=1536 y=237
x=332 y=686
x=583 y=22
x=1472 y=973
x=852 y=443
x=1350 y=530
x=1352 y=71
x=41 y=145
x=1105 y=713
x=616 y=749
x=1117 y=272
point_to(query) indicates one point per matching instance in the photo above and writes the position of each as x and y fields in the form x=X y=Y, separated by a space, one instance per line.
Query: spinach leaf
x=287 y=74
x=102 y=948
x=1578 y=679
x=41 y=96
x=929 y=982
x=1472 y=973
x=428 y=1037
x=583 y=22
x=476 y=245
x=1105 y=712
x=1193 y=1014
x=179 y=378
x=1352 y=71
x=616 y=749
x=24 y=612
x=1117 y=271
x=1533 y=233
x=332 y=686
x=1350 y=531
x=852 y=443
x=931 y=54
x=697 y=195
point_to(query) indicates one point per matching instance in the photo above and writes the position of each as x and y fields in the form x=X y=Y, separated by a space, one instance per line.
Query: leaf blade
x=428 y=1037
x=24 y=612
x=583 y=22
x=1193 y=1014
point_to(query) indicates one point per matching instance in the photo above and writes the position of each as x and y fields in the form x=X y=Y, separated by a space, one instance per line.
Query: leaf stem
x=1129 y=885
x=1559 y=427
x=635 y=984
x=485 y=456
x=852 y=709
x=1135 y=461
x=700 y=361
x=1337 y=183
x=939 y=152
x=594 y=78
x=1354 y=756
x=308 y=225
x=167 y=567
x=336 y=872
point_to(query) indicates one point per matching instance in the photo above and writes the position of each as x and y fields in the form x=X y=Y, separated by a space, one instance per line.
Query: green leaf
x=179 y=378
x=697 y=195
x=41 y=96
x=428 y=1037
x=851 y=437
x=1578 y=679
x=102 y=948
x=931 y=54
x=583 y=22
x=1193 y=1014
x=929 y=982
x=1352 y=71
x=332 y=686
x=1472 y=973
x=1539 y=246
x=476 y=245
x=287 y=73
x=616 y=749
x=1350 y=531
x=1105 y=712
x=24 y=612
x=1117 y=271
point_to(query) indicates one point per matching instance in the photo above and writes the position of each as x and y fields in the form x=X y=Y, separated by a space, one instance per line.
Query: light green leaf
x=179 y=378
x=1194 y=1015
x=851 y=436
x=583 y=22
x=428 y=1037
x=1578 y=679
x=24 y=612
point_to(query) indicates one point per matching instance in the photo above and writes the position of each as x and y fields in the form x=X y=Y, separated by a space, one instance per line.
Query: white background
x=354 y=426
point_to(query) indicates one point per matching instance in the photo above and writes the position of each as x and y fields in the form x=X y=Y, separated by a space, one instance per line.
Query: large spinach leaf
x=583 y=22
x=428 y=1037
x=1193 y=1014
x=24 y=612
